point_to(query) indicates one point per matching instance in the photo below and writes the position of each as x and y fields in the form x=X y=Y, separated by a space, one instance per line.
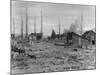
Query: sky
x=70 y=17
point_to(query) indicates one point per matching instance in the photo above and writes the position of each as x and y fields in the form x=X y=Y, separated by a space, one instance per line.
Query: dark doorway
x=93 y=42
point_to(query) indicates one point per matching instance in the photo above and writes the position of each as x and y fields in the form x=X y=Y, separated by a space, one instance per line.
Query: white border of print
x=5 y=37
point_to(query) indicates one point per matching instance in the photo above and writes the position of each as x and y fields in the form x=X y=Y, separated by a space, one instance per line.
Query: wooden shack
x=35 y=36
x=91 y=36
x=73 y=39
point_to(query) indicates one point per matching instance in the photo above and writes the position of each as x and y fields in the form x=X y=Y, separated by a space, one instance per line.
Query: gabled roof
x=60 y=35
x=35 y=34
x=78 y=35
x=89 y=32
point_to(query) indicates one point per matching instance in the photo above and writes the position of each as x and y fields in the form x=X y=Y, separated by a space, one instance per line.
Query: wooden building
x=91 y=36
x=73 y=39
x=35 y=36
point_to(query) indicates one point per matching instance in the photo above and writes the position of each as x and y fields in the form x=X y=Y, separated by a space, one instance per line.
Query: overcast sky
x=69 y=16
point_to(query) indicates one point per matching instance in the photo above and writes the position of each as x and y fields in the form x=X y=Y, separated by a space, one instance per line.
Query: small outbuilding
x=76 y=40
x=91 y=36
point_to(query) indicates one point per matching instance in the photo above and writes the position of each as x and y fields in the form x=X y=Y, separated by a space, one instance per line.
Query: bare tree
x=35 y=24
x=26 y=22
x=41 y=22
x=21 y=27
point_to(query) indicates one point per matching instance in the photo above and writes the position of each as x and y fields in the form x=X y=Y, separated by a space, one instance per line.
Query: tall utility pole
x=81 y=23
x=35 y=24
x=14 y=26
x=59 y=26
x=41 y=22
x=81 y=27
x=26 y=22
x=21 y=27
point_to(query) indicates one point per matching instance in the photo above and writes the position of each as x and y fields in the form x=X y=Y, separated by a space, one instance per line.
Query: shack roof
x=78 y=35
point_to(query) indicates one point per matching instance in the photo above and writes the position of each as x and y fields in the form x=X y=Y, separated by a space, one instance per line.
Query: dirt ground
x=51 y=58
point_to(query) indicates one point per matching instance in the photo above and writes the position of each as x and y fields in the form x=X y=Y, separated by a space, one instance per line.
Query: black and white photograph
x=52 y=37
